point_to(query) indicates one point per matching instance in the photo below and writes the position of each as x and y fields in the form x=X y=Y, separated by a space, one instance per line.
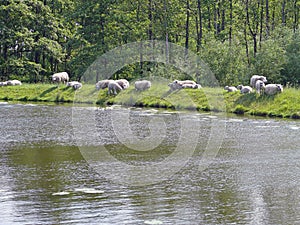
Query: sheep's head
x=263 y=79
x=279 y=87
x=239 y=87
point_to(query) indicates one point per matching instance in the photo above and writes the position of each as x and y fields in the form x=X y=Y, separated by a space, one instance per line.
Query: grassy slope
x=286 y=104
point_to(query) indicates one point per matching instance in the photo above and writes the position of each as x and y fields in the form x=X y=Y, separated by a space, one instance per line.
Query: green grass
x=285 y=105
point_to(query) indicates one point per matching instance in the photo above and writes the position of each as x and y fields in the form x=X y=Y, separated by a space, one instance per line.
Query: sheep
x=182 y=82
x=142 y=85
x=254 y=78
x=123 y=83
x=4 y=83
x=176 y=85
x=230 y=89
x=13 y=82
x=60 y=77
x=272 y=89
x=193 y=86
x=259 y=86
x=77 y=86
x=102 y=84
x=74 y=84
x=114 y=87
x=244 y=89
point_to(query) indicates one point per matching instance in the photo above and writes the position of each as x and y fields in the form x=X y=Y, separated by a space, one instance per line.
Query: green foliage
x=291 y=71
x=270 y=60
x=226 y=61
x=235 y=38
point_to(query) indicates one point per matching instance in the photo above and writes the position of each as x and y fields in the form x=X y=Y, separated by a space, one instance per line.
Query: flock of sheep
x=115 y=86
x=257 y=82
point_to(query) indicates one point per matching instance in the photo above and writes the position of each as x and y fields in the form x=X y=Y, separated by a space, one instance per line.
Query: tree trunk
x=187 y=26
x=267 y=19
x=296 y=16
x=150 y=17
x=223 y=18
x=216 y=19
x=252 y=32
x=283 y=13
x=261 y=23
x=199 y=26
x=209 y=18
x=273 y=17
x=246 y=43
x=166 y=29
x=231 y=18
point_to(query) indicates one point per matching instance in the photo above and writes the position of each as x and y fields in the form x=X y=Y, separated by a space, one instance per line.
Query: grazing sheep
x=60 y=77
x=193 y=86
x=230 y=89
x=176 y=85
x=74 y=84
x=272 y=89
x=3 y=83
x=114 y=87
x=77 y=86
x=123 y=83
x=259 y=86
x=244 y=89
x=13 y=82
x=254 y=78
x=142 y=85
x=182 y=82
x=102 y=84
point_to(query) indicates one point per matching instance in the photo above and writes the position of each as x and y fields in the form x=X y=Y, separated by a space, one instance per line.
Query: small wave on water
x=153 y=222
x=79 y=190
x=294 y=127
x=89 y=190
x=62 y=193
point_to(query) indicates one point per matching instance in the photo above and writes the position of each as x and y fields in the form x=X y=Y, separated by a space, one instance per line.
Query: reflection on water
x=254 y=179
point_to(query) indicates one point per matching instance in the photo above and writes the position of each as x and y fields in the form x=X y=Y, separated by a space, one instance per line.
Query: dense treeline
x=237 y=38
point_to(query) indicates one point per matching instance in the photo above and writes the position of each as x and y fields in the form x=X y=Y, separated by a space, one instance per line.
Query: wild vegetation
x=235 y=38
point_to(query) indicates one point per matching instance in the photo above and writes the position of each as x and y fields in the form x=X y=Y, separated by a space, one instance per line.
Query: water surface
x=45 y=179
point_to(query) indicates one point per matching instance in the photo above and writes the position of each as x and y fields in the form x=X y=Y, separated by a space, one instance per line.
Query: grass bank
x=285 y=105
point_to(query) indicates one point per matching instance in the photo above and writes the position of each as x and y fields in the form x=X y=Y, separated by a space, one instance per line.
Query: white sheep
x=259 y=86
x=244 y=89
x=102 y=84
x=13 y=82
x=142 y=85
x=182 y=82
x=77 y=86
x=123 y=83
x=74 y=84
x=272 y=89
x=176 y=85
x=192 y=86
x=114 y=87
x=254 y=78
x=4 y=83
x=60 y=77
x=230 y=89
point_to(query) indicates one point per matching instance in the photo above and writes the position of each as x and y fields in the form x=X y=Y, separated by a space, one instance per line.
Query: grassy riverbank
x=286 y=104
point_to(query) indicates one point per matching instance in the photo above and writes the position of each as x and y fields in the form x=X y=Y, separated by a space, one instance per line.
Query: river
x=84 y=166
